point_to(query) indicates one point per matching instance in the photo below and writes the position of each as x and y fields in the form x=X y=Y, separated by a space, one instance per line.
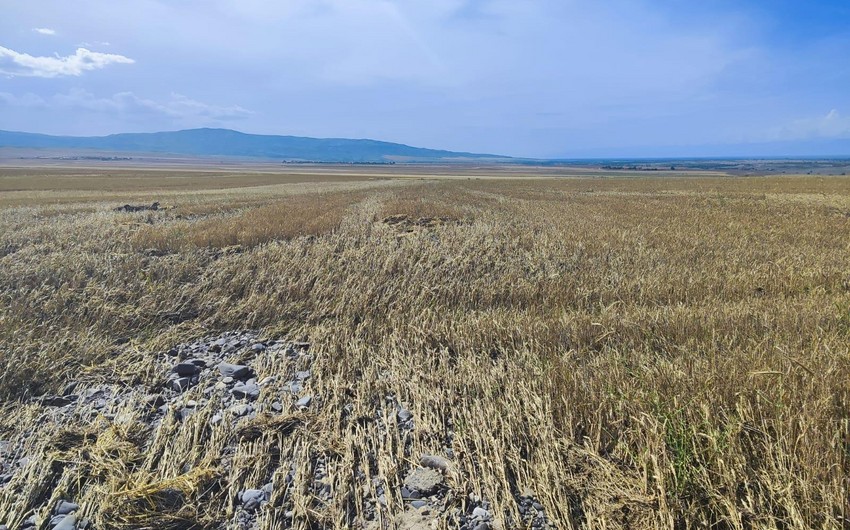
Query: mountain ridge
x=228 y=142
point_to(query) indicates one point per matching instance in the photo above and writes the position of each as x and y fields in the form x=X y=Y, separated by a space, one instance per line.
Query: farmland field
x=565 y=351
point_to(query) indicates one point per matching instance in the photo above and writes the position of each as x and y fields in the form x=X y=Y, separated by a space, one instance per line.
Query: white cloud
x=44 y=31
x=178 y=107
x=13 y=63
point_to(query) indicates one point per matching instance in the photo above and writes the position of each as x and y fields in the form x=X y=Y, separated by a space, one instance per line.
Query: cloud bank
x=16 y=64
x=44 y=31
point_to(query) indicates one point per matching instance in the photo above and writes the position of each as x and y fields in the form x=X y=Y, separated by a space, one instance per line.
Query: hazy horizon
x=541 y=79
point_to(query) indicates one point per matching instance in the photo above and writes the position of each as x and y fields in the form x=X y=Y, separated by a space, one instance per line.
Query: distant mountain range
x=226 y=142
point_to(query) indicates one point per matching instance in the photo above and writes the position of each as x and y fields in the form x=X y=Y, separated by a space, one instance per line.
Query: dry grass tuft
x=150 y=503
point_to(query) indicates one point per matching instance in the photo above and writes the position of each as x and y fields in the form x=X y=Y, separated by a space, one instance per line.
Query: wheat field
x=666 y=352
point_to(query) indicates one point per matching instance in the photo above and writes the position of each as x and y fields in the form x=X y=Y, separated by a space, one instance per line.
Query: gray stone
x=304 y=402
x=251 y=499
x=419 y=504
x=303 y=375
x=482 y=526
x=423 y=480
x=237 y=371
x=480 y=513
x=68 y=522
x=258 y=347
x=537 y=506
x=404 y=415
x=65 y=507
x=247 y=390
x=240 y=410
x=216 y=418
x=58 y=401
x=277 y=406
x=227 y=380
x=293 y=387
x=435 y=462
x=186 y=369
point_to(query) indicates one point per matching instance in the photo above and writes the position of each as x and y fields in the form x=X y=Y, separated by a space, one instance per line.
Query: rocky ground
x=211 y=399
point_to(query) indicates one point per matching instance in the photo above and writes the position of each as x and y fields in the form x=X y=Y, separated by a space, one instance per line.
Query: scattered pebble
x=240 y=410
x=293 y=387
x=480 y=513
x=247 y=390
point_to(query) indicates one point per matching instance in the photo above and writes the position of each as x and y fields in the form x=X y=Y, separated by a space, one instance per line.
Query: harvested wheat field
x=377 y=352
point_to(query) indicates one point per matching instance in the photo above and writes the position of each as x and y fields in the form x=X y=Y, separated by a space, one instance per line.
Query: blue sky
x=541 y=78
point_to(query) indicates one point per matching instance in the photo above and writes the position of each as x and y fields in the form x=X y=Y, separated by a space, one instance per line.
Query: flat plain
x=550 y=348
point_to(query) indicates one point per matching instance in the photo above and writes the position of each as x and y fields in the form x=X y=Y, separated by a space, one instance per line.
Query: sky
x=531 y=78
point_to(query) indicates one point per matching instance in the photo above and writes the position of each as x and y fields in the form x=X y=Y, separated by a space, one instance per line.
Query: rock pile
x=221 y=366
x=137 y=208
x=532 y=512
x=216 y=384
